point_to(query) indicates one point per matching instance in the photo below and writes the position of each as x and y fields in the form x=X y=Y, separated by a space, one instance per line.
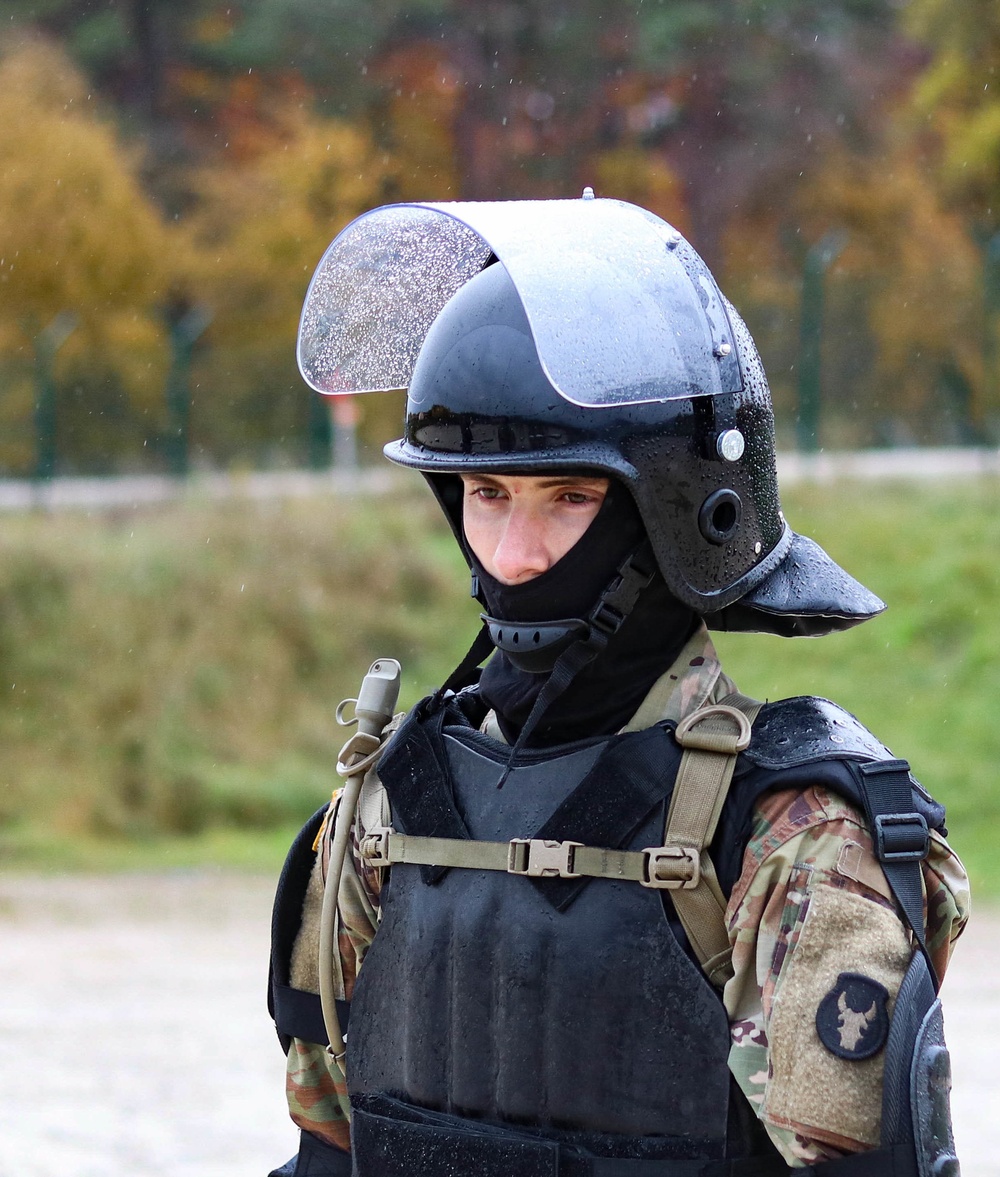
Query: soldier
x=614 y=917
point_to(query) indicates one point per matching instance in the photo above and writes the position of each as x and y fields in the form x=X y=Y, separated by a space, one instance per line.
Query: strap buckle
x=374 y=846
x=714 y=741
x=671 y=868
x=901 y=837
x=540 y=858
x=606 y=619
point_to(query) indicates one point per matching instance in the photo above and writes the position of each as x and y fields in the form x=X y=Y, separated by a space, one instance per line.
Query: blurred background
x=170 y=173
x=173 y=169
x=199 y=559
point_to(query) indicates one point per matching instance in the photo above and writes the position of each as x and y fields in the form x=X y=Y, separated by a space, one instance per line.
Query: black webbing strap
x=414 y=772
x=316 y=1158
x=901 y=838
x=388 y=1145
x=395 y=1139
x=286 y=915
x=299 y=1014
x=569 y=664
x=609 y=614
x=632 y=776
x=296 y=1013
x=896 y=1161
x=466 y=672
x=916 y=996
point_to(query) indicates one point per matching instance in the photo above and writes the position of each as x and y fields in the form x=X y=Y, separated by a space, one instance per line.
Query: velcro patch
x=853 y=1019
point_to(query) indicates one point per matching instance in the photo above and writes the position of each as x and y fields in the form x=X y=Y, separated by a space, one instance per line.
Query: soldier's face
x=520 y=525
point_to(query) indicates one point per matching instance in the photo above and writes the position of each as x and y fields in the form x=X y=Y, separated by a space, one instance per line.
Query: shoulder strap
x=712 y=738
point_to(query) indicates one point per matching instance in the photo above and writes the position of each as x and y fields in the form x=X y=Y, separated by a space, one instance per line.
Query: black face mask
x=605 y=693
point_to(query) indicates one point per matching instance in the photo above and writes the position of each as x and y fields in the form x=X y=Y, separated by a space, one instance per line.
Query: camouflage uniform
x=810 y=903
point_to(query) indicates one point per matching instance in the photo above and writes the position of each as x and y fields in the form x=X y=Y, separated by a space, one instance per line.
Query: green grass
x=30 y=847
x=924 y=676
x=176 y=672
x=168 y=678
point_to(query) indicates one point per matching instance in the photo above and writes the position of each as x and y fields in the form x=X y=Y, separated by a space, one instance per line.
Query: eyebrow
x=564 y=480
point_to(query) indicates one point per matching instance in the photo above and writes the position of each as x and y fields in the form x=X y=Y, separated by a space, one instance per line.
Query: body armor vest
x=565 y=1014
x=515 y=1024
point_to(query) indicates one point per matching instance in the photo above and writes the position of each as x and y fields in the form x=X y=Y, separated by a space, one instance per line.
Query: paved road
x=134 y=1041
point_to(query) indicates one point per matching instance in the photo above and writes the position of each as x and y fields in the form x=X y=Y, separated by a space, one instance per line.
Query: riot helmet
x=587 y=336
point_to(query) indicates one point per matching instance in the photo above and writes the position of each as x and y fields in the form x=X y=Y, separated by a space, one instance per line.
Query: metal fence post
x=991 y=309
x=818 y=259
x=47 y=343
x=185 y=326
x=320 y=431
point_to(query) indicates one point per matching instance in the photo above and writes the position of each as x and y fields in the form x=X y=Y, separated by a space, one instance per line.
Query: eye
x=488 y=493
x=582 y=497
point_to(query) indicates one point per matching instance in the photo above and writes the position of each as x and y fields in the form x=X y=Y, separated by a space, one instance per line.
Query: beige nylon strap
x=654 y=867
x=712 y=737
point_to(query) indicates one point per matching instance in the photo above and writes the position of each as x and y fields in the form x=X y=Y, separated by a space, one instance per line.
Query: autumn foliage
x=189 y=162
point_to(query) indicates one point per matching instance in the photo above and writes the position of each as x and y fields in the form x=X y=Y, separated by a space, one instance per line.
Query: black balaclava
x=605 y=694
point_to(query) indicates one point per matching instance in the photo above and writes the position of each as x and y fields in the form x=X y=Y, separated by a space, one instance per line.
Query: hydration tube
x=373 y=709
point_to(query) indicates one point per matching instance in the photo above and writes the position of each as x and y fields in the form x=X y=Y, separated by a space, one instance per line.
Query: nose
x=521 y=553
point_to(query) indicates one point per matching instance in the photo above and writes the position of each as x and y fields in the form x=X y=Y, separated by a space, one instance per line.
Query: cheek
x=570 y=529
x=479 y=530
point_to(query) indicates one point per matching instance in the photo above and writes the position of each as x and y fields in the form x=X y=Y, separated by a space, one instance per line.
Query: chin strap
x=606 y=618
x=535 y=646
x=465 y=672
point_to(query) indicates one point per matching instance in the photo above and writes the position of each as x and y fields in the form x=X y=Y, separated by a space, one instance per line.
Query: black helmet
x=586 y=336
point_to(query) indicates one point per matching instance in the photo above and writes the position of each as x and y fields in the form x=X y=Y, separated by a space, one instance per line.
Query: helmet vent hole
x=720 y=515
x=724 y=517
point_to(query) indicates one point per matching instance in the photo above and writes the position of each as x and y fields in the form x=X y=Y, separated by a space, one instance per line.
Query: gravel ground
x=136 y=1042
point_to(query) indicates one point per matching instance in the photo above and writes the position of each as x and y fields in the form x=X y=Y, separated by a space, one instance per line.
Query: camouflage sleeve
x=315 y=1084
x=812 y=904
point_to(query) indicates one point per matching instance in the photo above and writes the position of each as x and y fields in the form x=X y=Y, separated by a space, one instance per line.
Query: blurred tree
x=754 y=125
x=745 y=97
x=260 y=226
x=80 y=236
x=903 y=360
x=956 y=105
x=955 y=120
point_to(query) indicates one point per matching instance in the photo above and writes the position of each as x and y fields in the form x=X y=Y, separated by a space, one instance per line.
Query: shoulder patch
x=803 y=730
x=853 y=1018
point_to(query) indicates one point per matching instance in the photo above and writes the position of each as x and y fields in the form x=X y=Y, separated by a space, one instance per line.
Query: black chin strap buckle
x=619 y=598
x=536 y=645
x=606 y=619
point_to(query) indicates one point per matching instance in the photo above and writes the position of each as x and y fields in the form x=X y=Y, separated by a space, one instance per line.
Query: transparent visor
x=621 y=309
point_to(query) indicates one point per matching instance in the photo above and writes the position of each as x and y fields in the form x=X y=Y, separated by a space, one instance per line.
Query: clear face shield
x=621 y=308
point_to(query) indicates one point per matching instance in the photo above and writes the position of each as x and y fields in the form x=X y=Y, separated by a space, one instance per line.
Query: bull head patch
x=853 y=1018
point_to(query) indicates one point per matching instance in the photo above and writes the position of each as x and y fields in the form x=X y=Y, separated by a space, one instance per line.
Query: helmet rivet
x=756 y=548
x=723 y=350
x=588 y=193
x=730 y=445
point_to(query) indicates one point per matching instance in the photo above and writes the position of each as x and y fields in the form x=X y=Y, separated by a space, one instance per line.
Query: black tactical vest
x=588 y=1019
x=541 y=1014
